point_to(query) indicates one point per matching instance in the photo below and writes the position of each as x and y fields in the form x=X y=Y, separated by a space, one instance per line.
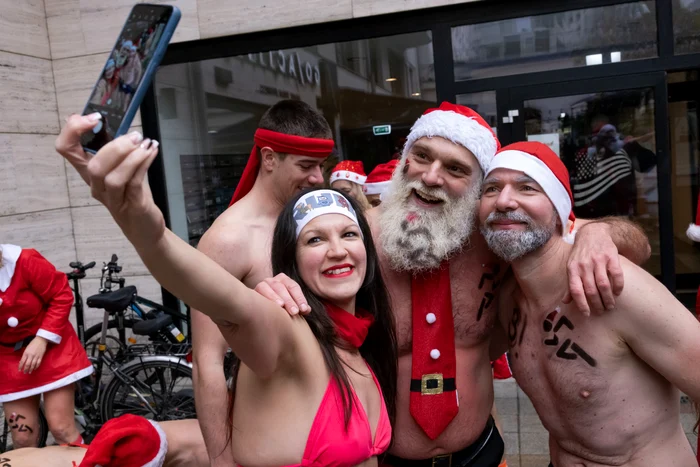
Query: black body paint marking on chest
x=563 y=350
x=5 y=462
x=516 y=330
x=488 y=297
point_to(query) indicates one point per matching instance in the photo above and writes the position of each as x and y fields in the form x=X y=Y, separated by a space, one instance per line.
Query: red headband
x=282 y=143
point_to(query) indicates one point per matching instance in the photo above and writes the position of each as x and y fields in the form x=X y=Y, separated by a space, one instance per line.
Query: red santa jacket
x=37 y=302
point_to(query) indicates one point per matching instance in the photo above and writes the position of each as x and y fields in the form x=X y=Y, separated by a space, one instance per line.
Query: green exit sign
x=380 y=130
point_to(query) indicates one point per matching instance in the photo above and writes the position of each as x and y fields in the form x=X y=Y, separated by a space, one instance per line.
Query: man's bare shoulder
x=227 y=242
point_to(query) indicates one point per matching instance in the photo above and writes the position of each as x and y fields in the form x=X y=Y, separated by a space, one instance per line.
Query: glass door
x=612 y=135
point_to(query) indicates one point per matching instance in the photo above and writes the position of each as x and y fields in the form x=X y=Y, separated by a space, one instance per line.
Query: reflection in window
x=483 y=103
x=559 y=40
x=607 y=143
x=209 y=111
x=686 y=26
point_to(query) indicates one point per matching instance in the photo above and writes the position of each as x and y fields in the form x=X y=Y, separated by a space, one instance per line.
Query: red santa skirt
x=63 y=364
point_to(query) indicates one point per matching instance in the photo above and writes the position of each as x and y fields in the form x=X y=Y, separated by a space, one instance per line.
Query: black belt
x=433 y=384
x=18 y=345
x=456 y=459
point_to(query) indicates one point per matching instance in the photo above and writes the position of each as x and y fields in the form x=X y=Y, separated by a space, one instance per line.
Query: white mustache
x=510 y=215
x=419 y=186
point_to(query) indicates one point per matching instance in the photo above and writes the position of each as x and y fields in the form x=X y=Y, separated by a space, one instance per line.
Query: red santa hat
x=127 y=441
x=539 y=162
x=379 y=178
x=693 y=231
x=459 y=124
x=352 y=171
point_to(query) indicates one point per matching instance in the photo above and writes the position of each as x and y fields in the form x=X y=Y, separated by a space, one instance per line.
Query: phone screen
x=124 y=71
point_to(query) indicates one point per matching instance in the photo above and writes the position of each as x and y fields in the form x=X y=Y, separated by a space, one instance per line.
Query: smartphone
x=129 y=71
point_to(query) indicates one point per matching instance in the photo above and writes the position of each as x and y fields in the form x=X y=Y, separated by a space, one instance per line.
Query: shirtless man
x=428 y=218
x=605 y=386
x=240 y=240
x=292 y=142
x=185 y=448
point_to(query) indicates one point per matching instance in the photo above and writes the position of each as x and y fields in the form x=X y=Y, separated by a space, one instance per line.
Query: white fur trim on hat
x=348 y=176
x=10 y=255
x=693 y=232
x=320 y=202
x=376 y=188
x=539 y=172
x=159 y=460
x=457 y=128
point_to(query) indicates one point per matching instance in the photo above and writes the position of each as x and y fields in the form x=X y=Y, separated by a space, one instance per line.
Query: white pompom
x=12 y=322
x=693 y=232
x=435 y=354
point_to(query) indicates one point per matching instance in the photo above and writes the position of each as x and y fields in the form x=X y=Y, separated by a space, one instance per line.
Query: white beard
x=510 y=245
x=416 y=239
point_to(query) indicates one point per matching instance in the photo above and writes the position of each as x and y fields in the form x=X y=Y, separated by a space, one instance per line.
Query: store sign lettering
x=290 y=65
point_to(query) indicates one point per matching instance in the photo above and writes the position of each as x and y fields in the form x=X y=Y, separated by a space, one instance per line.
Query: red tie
x=433 y=391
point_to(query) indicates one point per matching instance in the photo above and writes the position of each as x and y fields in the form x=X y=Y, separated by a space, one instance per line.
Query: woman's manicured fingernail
x=146 y=143
x=95 y=117
x=135 y=137
x=154 y=144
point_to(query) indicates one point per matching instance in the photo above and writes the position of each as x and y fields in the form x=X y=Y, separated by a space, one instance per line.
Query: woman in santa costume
x=378 y=181
x=39 y=351
x=349 y=177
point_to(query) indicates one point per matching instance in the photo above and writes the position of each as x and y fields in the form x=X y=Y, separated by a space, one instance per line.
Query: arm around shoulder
x=628 y=237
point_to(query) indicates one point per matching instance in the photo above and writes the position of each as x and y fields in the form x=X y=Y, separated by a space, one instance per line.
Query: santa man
x=378 y=181
x=443 y=282
x=349 y=177
x=39 y=350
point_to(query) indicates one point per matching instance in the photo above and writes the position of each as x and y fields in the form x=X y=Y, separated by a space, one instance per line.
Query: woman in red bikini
x=314 y=390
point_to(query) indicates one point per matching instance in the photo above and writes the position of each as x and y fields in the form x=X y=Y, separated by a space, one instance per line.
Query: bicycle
x=155 y=322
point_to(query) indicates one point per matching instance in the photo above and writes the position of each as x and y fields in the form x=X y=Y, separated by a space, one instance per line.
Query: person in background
x=39 y=350
x=349 y=177
x=378 y=182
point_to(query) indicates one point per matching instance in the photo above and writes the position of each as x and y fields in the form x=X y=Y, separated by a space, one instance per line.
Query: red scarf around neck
x=351 y=328
x=282 y=143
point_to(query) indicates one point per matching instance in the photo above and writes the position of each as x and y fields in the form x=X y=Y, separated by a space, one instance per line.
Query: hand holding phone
x=129 y=71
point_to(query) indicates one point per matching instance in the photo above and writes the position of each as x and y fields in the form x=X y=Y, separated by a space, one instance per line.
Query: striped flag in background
x=594 y=176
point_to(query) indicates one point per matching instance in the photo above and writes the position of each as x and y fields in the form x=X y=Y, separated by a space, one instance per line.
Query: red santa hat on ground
x=127 y=441
x=352 y=171
x=541 y=164
x=693 y=231
x=379 y=179
x=459 y=124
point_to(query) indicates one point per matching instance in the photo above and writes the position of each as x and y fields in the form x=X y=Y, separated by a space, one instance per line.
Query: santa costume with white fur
x=35 y=301
x=539 y=162
x=127 y=441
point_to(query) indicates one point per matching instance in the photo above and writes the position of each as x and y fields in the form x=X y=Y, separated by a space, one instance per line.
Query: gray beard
x=416 y=240
x=510 y=245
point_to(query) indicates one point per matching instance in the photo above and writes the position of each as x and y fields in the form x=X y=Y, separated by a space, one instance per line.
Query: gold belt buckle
x=443 y=456
x=433 y=378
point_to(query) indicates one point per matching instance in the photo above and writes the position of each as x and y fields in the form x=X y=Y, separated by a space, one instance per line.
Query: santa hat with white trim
x=459 y=124
x=539 y=162
x=379 y=178
x=352 y=171
x=693 y=231
x=127 y=441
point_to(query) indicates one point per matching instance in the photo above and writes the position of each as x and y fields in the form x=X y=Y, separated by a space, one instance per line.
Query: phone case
x=150 y=71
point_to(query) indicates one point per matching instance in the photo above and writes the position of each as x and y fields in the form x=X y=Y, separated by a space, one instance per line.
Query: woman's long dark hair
x=380 y=347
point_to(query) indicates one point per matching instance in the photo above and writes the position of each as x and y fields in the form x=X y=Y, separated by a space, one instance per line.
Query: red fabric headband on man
x=282 y=143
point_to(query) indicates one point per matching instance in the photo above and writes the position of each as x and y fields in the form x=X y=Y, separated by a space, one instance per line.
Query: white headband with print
x=320 y=202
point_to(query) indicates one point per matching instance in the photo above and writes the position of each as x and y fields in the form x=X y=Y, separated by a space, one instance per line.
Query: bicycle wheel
x=6 y=436
x=155 y=389
x=114 y=344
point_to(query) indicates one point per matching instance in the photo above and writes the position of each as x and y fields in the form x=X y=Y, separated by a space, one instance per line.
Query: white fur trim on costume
x=693 y=232
x=49 y=336
x=348 y=176
x=10 y=255
x=162 y=450
x=457 y=128
x=537 y=170
x=376 y=188
x=65 y=381
x=320 y=202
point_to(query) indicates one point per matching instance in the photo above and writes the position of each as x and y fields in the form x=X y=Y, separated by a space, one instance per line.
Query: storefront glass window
x=569 y=39
x=208 y=111
x=686 y=26
x=484 y=103
x=608 y=144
